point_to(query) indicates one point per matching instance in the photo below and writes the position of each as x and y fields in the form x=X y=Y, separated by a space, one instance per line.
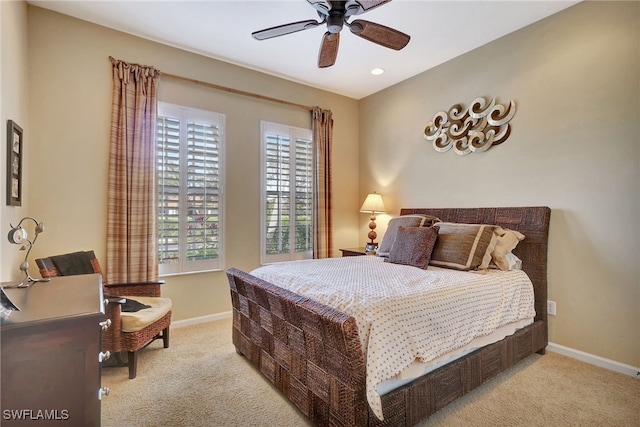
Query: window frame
x=293 y=133
x=185 y=115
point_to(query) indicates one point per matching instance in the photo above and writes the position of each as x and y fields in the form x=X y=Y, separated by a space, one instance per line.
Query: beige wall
x=13 y=106
x=574 y=147
x=70 y=87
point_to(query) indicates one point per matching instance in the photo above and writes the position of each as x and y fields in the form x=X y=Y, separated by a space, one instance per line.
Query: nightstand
x=353 y=252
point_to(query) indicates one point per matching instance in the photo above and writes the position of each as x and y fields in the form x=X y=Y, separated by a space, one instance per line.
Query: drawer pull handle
x=103 y=355
x=105 y=325
x=104 y=391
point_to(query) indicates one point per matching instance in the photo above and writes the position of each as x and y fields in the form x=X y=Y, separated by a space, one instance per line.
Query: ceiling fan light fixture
x=377 y=71
x=356 y=28
x=322 y=6
x=353 y=8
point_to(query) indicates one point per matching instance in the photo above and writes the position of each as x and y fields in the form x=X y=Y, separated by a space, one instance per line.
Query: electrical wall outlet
x=551 y=308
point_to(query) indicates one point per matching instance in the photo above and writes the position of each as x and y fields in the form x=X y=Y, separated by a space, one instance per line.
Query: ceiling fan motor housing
x=335 y=20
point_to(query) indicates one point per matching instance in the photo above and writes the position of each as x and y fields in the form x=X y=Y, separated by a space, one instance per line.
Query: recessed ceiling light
x=377 y=71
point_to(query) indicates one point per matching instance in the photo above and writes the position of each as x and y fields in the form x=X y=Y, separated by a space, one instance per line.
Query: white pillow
x=513 y=261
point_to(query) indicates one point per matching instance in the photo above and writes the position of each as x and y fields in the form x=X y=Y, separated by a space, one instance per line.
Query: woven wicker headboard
x=533 y=222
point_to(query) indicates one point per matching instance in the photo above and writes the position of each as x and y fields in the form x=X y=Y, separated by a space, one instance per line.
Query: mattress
x=418 y=369
x=405 y=314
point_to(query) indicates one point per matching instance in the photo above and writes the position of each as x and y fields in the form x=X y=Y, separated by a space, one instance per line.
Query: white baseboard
x=201 y=319
x=592 y=359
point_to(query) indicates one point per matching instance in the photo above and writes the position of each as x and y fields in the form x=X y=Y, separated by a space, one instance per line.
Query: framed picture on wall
x=14 y=163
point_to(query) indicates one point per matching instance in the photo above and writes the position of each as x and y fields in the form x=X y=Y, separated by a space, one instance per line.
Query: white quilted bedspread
x=404 y=313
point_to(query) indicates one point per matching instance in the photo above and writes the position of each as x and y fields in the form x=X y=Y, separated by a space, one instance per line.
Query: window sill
x=189 y=273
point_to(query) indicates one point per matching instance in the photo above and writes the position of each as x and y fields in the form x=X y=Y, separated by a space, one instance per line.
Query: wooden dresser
x=50 y=353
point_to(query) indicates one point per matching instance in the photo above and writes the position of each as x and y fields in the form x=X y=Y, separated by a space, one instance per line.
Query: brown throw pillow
x=464 y=246
x=413 y=246
x=401 y=221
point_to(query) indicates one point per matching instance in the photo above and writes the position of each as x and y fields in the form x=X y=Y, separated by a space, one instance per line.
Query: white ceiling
x=439 y=30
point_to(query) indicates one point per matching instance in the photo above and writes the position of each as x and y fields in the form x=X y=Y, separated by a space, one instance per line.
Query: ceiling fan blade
x=281 y=30
x=322 y=6
x=328 y=50
x=380 y=34
x=356 y=7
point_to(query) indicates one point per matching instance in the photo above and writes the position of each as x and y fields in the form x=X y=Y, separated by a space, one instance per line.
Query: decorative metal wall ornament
x=474 y=129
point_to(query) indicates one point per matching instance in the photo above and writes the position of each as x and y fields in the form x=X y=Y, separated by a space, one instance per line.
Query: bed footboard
x=312 y=353
x=412 y=403
x=309 y=351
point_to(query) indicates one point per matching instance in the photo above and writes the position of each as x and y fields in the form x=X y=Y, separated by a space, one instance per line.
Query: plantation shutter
x=288 y=193
x=203 y=191
x=168 y=163
x=278 y=181
x=189 y=162
x=304 y=195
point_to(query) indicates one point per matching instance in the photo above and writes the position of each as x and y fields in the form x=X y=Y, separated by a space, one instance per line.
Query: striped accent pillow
x=464 y=246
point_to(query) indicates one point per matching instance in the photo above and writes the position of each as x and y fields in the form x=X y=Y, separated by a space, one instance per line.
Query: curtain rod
x=236 y=91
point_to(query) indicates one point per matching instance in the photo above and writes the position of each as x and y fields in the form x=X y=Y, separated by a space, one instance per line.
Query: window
x=287 y=199
x=190 y=182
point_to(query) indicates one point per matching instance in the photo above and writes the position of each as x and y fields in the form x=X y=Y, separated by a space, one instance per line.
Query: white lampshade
x=373 y=203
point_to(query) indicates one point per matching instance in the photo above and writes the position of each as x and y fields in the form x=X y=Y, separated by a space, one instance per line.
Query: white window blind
x=287 y=203
x=190 y=198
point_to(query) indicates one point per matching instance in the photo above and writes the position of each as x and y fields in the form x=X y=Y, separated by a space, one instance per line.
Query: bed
x=314 y=355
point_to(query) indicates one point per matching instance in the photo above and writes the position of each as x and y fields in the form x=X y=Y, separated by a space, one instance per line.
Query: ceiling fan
x=336 y=14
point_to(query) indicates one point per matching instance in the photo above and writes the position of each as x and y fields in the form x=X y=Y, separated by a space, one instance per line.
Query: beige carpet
x=201 y=381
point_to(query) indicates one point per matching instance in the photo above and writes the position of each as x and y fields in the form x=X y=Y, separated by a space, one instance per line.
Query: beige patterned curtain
x=131 y=208
x=322 y=128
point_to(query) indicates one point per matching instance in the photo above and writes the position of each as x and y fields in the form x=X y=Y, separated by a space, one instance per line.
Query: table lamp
x=19 y=236
x=372 y=204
